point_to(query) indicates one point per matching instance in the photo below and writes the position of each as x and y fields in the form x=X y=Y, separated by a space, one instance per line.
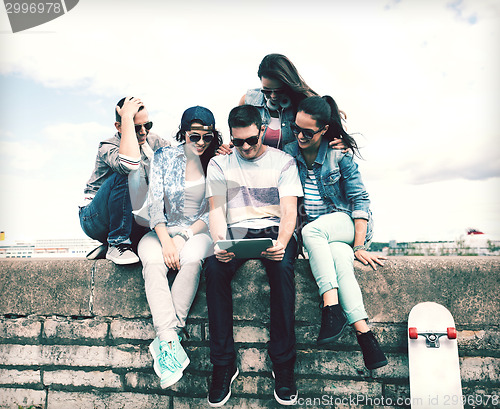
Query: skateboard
x=433 y=358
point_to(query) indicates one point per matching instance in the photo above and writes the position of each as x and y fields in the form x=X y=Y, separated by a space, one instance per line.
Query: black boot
x=333 y=322
x=372 y=354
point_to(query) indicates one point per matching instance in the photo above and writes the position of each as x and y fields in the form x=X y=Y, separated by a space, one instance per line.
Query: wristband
x=356 y=248
x=183 y=235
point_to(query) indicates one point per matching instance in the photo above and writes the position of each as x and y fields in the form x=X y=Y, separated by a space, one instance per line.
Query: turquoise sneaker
x=170 y=360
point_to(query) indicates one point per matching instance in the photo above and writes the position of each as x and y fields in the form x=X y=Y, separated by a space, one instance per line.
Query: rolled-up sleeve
x=354 y=188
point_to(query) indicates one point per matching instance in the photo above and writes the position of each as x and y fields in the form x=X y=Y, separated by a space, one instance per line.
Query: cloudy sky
x=418 y=80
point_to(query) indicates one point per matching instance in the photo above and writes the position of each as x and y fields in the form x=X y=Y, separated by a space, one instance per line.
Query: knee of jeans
x=310 y=231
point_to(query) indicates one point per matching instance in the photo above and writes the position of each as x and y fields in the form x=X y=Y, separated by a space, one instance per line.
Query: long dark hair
x=279 y=67
x=324 y=111
x=209 y=153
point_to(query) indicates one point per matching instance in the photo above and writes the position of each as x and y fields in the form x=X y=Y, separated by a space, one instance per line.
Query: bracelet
x=356 y=248
x=183 y=235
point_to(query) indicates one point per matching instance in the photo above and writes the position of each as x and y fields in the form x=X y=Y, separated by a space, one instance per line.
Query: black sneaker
x=333 y=322
x=372 y=354
x=98 y=253
x=220 y=387
x=285 y=390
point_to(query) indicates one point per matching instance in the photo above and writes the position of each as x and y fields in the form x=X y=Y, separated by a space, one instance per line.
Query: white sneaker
x=170 y=360
x=122 y=254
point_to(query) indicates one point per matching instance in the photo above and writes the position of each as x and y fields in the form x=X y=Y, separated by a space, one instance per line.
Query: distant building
x=473 y=243
x=48 y=248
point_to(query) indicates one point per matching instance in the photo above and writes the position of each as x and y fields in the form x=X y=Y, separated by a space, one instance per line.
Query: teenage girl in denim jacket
x=282 y=89
x=336 y=207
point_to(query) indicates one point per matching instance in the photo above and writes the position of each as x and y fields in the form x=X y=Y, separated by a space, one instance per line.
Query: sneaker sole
x=378 y=365
x=226 y=398
x=122 y=262
x=172 y=381
x=285 y=402
x=332 y=339
x=97 y=253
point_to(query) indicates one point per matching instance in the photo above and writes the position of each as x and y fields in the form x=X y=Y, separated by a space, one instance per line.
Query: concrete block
x=20 y=328
x=253 y=360
x=62 y=287
x=70 y=329
x=122 y=400
x=480 y=369
x=248 y=333
x=326 y=389
x=97 y=379
x=122 y=356
x=234 y=402
x=10 y=398
x=119 y=291
x=132 y=329
x=19 y=377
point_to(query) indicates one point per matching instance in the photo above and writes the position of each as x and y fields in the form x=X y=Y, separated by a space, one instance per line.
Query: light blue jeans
x=328 y=241
x=170 y=305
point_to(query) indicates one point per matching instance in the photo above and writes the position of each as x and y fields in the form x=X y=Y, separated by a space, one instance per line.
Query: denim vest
x=339 y=182
x=167 y=187
x=287 y=116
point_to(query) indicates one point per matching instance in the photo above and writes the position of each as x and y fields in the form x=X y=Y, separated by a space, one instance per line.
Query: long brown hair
x=279 y=67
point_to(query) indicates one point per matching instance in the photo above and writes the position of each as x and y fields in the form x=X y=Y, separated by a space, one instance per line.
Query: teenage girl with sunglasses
x=338 y=219
x=282 y=89
x=178 y=214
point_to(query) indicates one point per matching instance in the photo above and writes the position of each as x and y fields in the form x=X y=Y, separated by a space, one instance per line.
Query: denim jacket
x=167 y=187
x=287 y=116
x=339 y=182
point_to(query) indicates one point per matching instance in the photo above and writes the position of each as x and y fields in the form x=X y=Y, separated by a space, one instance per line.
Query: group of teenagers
x=287 y=174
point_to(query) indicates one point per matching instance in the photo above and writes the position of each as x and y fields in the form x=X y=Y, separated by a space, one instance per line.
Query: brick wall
x=75 y=334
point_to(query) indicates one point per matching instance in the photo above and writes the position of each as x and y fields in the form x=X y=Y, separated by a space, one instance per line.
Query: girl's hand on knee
x=369 y=258
x=171 y=257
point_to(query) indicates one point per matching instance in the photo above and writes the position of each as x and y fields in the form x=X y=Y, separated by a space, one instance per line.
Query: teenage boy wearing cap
x=252 y=194
x=179 y=239
x=106 y=211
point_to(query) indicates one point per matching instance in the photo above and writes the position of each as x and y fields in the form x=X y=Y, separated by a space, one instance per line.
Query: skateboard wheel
x=452 y=332
x=413 y=333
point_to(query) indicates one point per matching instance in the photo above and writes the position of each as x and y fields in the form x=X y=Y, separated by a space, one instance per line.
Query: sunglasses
x=147 y=125
x=268 y=91
x=195 y=137
x=252 y=140
x=306 y=133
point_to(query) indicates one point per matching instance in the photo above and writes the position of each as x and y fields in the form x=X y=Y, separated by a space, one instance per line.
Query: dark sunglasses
x=307 y=133
x=252 y=140
x=147 y=125
x=267 y=92
x=195 y=137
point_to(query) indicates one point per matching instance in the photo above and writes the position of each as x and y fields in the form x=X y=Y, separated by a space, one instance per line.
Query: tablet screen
x=246 y=248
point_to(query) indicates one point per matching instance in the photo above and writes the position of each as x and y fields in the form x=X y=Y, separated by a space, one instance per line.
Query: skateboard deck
x=433 y=358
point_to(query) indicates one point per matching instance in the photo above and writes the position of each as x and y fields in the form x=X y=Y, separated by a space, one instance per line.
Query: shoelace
x=168 y=358
x=123 y=247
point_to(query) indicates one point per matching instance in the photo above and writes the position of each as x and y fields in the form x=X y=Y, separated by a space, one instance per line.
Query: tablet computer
x=246 y=248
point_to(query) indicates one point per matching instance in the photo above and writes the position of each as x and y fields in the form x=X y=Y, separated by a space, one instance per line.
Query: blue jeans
x=109 y=218
x=328 y=241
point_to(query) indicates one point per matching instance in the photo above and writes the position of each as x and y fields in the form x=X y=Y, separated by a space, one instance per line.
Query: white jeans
x=170 y=306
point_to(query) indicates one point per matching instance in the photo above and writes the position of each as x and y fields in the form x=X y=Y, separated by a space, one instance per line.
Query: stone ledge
x=75 y=287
